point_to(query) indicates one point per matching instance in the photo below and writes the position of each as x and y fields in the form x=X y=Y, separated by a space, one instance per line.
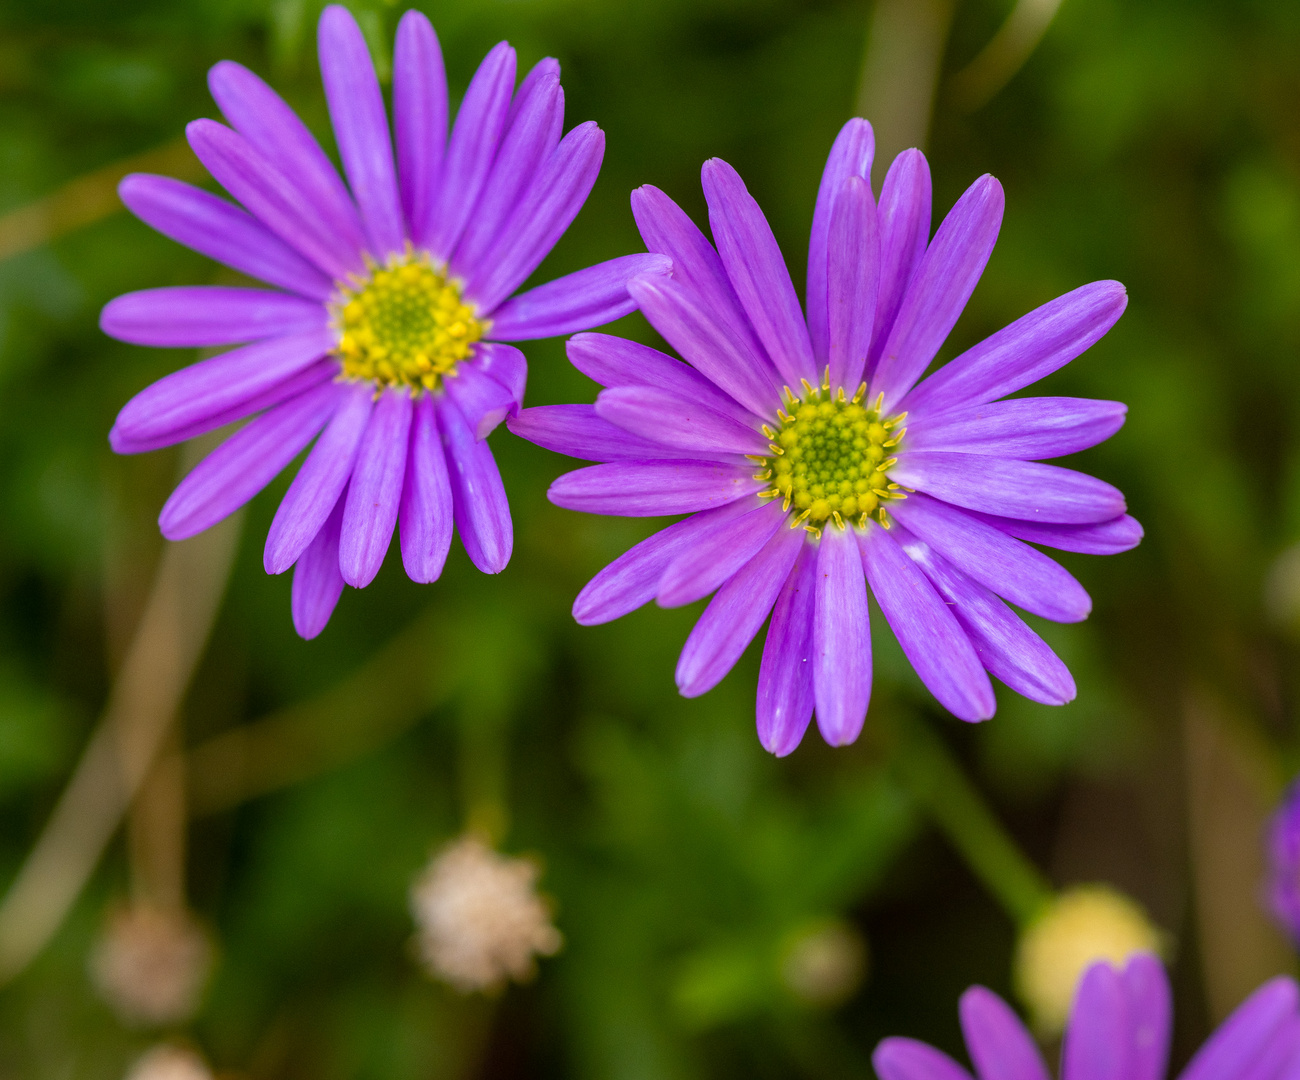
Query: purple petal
x=1096 y=1041
x=307 y=379
x=526 y=143
x=615 y=361
x=482 y=511
x=736 y=614
x=506 y=364
x=999 y=1046
x=1150 y=1017
x=552 y=202
x=578 y=301
x=360 y=128
x=926 y=628
x=474 y=140
x=666 y=229
x=677 y=422
x=1246 y=1034
x=653 y=488
x=245 y=463
x=907 y=1059
x=1022 y=428
x=904 y=217
x=851 y=156
x=1007 y=648
x=481 y=400
x=221 y=231
x=577 y=431
x=426 y=519
x=853 y=281
x=841 y=666
x=705 y=344
x=317 y=583
x=319 y=482
x=419 y=117
x=271 y=197
x=946 y=277
x=1279 y=1059
x=1104 y=538
x=785 y=680
x=1012 y=569
x=261 y=116
x=757 y=271
x=219 y=385
x=196 y=316
x=1027 y=490
x=1029 y=349
x=633 y=578
x=375 y=490
x=717 y=555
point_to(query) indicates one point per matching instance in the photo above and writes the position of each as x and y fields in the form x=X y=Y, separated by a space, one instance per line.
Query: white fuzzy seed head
x=167 y=1062
x=151 y=965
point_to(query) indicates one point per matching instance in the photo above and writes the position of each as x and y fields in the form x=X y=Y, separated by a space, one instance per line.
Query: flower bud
x=151 y=965
x=168 y=1062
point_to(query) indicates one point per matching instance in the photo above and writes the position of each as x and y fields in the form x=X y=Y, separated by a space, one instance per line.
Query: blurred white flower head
x=480 y=921
x=151 y=965
x=825 y=963
x=167 y=1062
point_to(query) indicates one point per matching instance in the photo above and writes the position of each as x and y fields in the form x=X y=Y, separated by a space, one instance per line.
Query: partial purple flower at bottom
x=1284 y=863
x=1119 y=1029
x=386 y=331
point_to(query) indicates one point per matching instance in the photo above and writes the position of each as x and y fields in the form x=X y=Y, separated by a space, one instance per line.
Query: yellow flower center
x=404 y=325
x=831 y=457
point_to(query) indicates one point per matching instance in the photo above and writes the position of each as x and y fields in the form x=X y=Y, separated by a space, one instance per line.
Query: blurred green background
x=1153 y=141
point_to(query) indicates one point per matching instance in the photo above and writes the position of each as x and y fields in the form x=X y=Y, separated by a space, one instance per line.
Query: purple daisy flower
x=925 y=491
x=387 y=330
x=1119 y=1030
x=1284 y=863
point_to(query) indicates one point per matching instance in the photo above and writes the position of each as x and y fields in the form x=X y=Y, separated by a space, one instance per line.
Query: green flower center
x=404 y=324
x=831 y=457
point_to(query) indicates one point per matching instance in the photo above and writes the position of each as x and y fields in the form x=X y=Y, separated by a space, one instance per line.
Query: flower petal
x=851 y=156
x=717 y=555
x=705 y=344
x=196 y=316
x=1103 y=538
x=553 y=200
x=633 y=578
x=677 y=422
x=1029 y=349
x=907 y=1059
x=319 y=482
x=375 y=491
x=841 y=666
x=785 y=679
x=356 y=108
x=758 y=273
x=262 y=117
x=272 y=198
x=474 y=140
x=419 y=117
x=1096 y=1043
x=221 y=231
x=482 y=511
x=926 y=628
x=1150 y=1016
x=217 y=386
x=944 y=281
x=1007 y=648
x=1023 y=428
x=1027 y=490
x=853 y=281
x=1012 y=569
x=904 y=217
x=999 y=1046
x=481 y=400
x=653 y=488
x=578 y=301
x=736 y=614
x=576 y=430
x=507 y=365
x=245 y=463
x=615 y=361
x=317 y=583
x=1246 y=1034
x=426 y=518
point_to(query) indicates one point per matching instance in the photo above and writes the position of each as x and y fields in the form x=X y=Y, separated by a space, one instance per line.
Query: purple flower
x=1118 y=1030
x=926 y=493
x=386 y=330
x=1284 y=863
